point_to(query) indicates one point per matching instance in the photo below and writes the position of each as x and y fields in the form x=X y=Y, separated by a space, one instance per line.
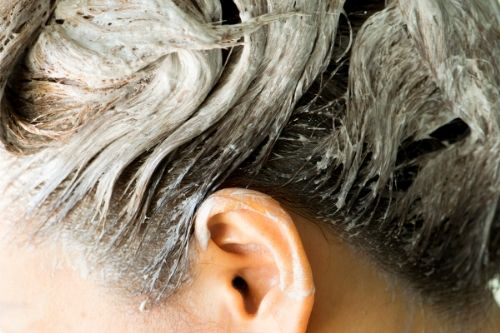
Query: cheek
x=182 y=313
x=39 y=293
x=24 y=286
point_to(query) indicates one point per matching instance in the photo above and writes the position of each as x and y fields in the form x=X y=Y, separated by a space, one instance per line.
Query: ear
x=250 y=264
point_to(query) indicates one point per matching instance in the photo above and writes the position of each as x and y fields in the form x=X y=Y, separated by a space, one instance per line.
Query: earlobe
x=251 y=252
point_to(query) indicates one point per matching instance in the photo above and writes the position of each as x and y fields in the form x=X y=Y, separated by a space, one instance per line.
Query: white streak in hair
x=494 y=286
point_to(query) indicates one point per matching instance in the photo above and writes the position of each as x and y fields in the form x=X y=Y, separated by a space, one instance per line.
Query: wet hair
x=379 y=120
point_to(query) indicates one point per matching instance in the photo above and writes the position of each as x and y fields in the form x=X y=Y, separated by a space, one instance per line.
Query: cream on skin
x=41 y=291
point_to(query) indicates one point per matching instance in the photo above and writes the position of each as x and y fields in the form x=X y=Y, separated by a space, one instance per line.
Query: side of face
x=251 y=274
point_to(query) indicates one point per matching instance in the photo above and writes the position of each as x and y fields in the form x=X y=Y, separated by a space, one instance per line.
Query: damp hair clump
x=381 y=121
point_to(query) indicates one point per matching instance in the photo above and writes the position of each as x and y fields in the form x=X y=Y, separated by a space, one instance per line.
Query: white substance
x=300 y=294
x=201 y=231
x=296 y=289
x=245 y=16
x=494 y=286
x=142 y=306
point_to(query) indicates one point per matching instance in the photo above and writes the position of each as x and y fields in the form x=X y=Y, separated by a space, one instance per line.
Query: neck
x=353 y=295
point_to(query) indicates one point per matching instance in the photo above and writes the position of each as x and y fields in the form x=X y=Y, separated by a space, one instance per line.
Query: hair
x=379 y=120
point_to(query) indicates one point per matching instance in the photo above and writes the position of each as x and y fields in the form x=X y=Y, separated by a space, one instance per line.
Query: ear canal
x=257 y=273
x=242 y=287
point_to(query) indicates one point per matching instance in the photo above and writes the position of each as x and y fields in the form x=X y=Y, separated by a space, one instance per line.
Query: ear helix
x=295 y=276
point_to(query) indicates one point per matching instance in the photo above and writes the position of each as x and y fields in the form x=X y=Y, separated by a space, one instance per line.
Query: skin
x=42 y=291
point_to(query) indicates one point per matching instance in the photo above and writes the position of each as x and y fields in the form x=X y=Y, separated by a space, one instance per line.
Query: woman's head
x=378 y=122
